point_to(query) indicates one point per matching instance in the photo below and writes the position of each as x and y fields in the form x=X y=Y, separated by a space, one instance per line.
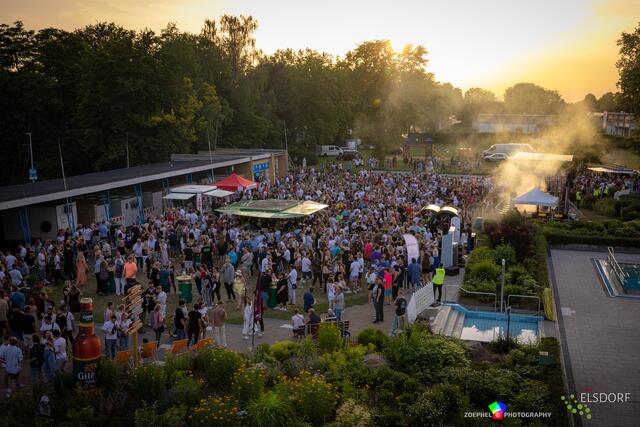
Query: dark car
x=348 y=154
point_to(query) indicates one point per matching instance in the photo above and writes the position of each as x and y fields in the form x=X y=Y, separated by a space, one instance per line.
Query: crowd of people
x=599 y=185
x=355 y=245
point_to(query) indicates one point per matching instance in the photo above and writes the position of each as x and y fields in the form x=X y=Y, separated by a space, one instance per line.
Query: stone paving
x=602 y=336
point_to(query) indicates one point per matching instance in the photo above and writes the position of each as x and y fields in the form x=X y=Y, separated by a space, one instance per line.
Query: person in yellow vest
x=438 y=282
x=605 y=191
x=578 y=198
x=596 y=192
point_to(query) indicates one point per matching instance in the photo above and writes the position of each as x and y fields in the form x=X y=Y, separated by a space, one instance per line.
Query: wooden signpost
x=133 y=305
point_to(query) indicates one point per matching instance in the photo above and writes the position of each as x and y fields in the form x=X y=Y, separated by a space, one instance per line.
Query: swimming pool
x=487 y=326
x=631 y=275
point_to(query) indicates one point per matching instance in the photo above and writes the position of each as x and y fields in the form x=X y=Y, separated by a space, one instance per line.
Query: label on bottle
x=86 y=317
x=85 y=372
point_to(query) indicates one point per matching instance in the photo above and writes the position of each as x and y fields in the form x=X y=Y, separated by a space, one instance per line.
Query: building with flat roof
x=124 y=195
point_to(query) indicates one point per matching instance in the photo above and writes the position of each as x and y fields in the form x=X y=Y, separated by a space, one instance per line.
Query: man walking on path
x=219 y=317
x=400 y=315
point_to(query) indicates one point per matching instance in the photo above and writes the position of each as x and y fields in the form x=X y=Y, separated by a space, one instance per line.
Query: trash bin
x=184 y=284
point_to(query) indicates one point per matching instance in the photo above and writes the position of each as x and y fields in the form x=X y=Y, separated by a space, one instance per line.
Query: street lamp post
x=502 y=286
x=32 y=174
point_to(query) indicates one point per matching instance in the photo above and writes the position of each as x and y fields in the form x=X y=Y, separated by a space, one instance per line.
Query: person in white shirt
x=161 y=297
x=110 y=336
x=292 y=284
x=60 y=348
x=49 y=325
x=298 y=324
x=306 y=268
x=11 y=358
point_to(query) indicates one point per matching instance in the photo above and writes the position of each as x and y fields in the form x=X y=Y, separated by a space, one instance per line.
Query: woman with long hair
x=81 y=269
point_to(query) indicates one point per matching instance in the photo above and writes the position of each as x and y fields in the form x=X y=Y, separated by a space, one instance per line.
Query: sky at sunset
x=567 y=45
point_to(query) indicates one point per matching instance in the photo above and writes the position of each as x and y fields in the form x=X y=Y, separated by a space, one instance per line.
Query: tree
x=590 y=102
x=528 y=98
x=478 y=101
x=629 y=69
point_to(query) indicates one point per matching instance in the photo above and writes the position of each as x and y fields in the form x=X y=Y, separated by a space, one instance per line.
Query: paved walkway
x=601 y=335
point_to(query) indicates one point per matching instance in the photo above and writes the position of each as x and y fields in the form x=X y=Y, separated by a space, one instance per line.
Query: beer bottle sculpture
x=87 y=348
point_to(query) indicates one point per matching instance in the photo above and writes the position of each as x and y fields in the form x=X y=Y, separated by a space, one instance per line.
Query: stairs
x=448 y=322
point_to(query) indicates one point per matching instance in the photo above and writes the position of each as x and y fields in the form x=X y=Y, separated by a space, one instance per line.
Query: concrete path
x=601 y=336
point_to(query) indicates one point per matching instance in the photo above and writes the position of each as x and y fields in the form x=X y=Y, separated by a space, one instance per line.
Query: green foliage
x=81 y=417
x=629 y=68
x=373 y=336
x=148 y=416
x=248 y=383
x=482 y=271
x=176 y=365
x=187 y=389
x=313 y=398
x=329 y=337
x=218 y=366
x=109 y=376
x=284 y=350
x=215 y=411
x=351 y=414
x=505 y=252
x=147 y=382
x=271 y=410
x=547 y=302
x=483 y=253
x=442 y=404
x=423 y=355
x=264 y=354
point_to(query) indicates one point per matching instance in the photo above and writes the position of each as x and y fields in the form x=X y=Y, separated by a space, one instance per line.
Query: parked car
x=507 y=149
x=348 y=154
x=328 y=150
x=496 y=157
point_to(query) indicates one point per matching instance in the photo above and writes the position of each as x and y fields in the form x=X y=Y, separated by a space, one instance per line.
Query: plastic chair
x=178 y=346
x=149 y=350
x=203 y=343
x=123 y=357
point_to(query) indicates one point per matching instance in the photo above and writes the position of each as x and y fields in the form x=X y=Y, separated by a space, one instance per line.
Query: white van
x=507 y=149
x=328 y=150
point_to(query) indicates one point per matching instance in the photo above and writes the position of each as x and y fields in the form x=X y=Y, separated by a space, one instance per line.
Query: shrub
x=218 y=366
x=351 y=414
x=175 y=365
x=518 y=236
x=109 y=375
x=248 y=383
x=284 y=350
x=187 y=389
x=486 y=381
x=215 y=411
x=270 y=410
x=329 y=337
x=264 y=354
x=442 y=404
x=505 y=252
x=424 y=355
x=147 y=382
x=547 y=302
x=483 y=271
x=605 y=207
x=373 y=336
x=80 y=417
x=148 y=416
x=313 y=398
x=483 y=253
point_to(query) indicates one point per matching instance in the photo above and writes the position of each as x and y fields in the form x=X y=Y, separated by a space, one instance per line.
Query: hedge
x=562 y=238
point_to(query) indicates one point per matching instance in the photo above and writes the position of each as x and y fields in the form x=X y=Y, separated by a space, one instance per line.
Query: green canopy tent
x=272 y=208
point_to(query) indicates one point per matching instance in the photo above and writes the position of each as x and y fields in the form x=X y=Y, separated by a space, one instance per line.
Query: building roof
x=13 y=196
x=273 y=208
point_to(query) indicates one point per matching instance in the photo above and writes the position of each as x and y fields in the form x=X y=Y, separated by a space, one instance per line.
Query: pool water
x=632 y=273
x=486 y=326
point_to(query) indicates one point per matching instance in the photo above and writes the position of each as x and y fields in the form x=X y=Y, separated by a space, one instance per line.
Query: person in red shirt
x=388 y=285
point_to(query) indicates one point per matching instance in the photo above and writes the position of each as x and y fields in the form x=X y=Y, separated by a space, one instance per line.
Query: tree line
x=102 y=90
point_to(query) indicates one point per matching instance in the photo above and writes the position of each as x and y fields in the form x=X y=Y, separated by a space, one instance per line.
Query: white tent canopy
x=219 y=193
x=178 y=196
x=536 y=197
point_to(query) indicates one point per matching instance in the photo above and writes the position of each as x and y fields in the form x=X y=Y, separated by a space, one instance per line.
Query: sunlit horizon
x=568 y=46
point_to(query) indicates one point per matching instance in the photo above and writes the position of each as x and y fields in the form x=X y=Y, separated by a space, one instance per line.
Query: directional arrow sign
x=134 y=327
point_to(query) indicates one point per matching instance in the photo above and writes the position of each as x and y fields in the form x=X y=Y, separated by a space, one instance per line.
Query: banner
x=199 y=202
x=420 y=301
x=413 y=250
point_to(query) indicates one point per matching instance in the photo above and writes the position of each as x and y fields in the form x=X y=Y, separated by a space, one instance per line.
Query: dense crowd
x=354 y=245
x=600 y=185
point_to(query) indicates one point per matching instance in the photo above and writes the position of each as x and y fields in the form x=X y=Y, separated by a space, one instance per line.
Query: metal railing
x=495 y=296
x=524 y=296
x=613 y=263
